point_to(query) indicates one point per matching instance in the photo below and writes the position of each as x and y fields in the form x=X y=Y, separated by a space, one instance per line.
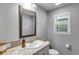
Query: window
x=62 y=23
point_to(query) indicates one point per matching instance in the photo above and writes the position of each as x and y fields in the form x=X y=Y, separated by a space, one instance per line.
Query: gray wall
x=58 y=41
x=9 y=22
x=41 y=23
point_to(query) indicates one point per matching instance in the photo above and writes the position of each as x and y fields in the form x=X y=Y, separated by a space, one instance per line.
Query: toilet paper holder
x=68 y=46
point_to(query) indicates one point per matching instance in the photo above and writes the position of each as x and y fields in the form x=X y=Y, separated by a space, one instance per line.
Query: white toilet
x=53 y=52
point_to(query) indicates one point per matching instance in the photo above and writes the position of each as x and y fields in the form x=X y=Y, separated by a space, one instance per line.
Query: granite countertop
x=24 y=51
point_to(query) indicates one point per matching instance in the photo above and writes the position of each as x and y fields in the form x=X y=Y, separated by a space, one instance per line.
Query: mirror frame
x=20 y=24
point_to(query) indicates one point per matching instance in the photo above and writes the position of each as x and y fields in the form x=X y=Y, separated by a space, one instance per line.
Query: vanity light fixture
x=33 y=5
x=28 y=5
x=57 y=3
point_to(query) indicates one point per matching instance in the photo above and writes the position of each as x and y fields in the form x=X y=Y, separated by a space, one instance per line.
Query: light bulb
x=33 y=5
x=27 y=5
x=57 y=3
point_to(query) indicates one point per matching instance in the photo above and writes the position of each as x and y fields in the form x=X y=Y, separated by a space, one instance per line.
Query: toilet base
x=53 y=52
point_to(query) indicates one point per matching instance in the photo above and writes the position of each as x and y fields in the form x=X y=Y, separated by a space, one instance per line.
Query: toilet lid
x=53 y=52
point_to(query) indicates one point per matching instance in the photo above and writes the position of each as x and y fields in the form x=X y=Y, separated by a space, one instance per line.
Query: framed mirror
x=27 y=23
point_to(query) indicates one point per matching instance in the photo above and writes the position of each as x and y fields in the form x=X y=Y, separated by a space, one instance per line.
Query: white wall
x=9 y=22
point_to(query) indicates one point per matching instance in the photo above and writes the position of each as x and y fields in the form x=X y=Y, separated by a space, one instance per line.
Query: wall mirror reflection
x=27 y=22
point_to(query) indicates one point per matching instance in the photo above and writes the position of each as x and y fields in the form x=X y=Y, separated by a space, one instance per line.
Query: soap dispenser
x=23 y=43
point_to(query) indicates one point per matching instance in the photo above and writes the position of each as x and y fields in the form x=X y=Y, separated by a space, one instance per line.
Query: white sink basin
x=35 y=44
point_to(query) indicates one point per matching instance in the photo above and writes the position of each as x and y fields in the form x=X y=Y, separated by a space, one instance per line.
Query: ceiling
x=51 y=6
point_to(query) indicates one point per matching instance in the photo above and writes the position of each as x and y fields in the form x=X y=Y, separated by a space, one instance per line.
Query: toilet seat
x=53 y=52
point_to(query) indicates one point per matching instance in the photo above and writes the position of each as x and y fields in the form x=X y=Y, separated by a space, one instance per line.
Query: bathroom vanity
x=41 y=50
x=27 y=28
